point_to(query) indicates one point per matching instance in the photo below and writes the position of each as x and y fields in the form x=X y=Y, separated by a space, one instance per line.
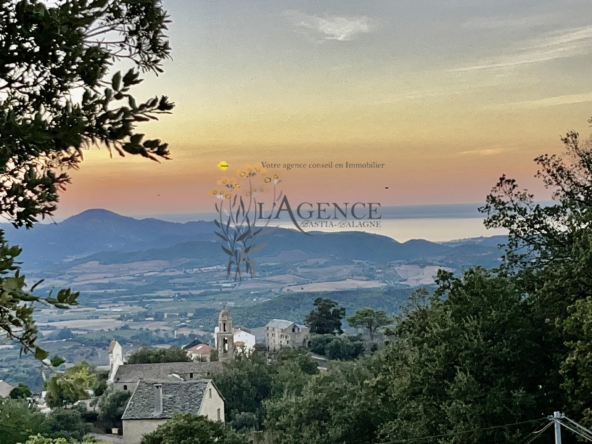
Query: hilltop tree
x=369 y=320
x=147 y=355
x=58 y=97
x=326 y=318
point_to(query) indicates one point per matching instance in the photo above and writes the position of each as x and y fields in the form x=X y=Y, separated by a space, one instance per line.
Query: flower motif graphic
x=237 y=209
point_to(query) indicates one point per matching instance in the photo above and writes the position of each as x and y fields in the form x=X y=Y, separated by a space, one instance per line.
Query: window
x=224 y=326
x=190 y=375
x=210 y=393
x=125 y=387
x=219 y=417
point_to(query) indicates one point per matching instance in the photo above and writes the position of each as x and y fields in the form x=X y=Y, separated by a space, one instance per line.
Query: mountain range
x=109 y=238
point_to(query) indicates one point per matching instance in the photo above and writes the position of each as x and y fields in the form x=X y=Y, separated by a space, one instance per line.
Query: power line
x=538 y=433
x=578 y=425
x=423 y=438
x=585 y=436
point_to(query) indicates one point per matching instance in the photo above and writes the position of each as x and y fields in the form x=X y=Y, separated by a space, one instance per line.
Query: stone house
x=280 y=333
x=154 y=402
x=199 y=352
x=128 y=375
x=5 y=389
x=124 y=376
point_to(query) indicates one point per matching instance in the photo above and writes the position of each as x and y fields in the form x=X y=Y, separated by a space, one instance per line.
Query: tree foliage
x=38 y=439
x=21 y=391
x=67 y=424
x=369 y=320
x=341 y=348
x=549 y=253
x=470 y=358
x=58 y=97
x=336 y=407
x=248 y=381
x=70 y=386
x=111 y=407
x=325 y=318
x=577 y=367
x=18 y=421
x=147 y=355
x=192 y=429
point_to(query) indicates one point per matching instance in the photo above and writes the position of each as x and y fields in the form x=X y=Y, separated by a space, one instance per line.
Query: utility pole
x=556 y=418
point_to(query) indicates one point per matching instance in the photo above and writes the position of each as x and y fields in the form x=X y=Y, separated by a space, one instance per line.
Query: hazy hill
x=287 y=245
x=109 y=238
x=100 y=230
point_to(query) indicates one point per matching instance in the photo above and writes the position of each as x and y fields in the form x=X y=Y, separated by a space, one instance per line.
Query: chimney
x=158 y=399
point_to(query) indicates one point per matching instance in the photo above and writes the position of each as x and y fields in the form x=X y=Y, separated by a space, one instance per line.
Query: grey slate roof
x=5 y=389
x=135 y=372
x=279 y=323
x=177 y=397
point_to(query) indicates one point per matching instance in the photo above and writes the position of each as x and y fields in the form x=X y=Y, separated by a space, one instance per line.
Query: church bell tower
x=225 y=337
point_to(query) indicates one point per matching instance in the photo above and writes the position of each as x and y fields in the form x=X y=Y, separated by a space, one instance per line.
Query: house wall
x=115 y=360
x=134 y=429
x=210 y=406
x=120 y=386
x=245 y=337
x=276 y=338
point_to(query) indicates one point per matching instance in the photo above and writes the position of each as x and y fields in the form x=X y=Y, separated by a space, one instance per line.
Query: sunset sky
x=447 y=94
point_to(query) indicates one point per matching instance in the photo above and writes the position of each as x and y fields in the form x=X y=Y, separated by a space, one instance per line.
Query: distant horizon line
x=430 y=211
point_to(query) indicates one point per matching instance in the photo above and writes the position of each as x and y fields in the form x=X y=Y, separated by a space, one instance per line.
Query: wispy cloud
x=555 y=45
x=529 y=21
x=330 y=27
x=568 y=99
x=481 y=152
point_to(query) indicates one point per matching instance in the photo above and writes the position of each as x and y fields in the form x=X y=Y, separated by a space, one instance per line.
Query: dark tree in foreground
x=192 y=429
x=549 y=253
x=326 y=318
x=58 y=97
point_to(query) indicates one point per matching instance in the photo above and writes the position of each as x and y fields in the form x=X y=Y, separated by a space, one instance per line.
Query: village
x=161 y=390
